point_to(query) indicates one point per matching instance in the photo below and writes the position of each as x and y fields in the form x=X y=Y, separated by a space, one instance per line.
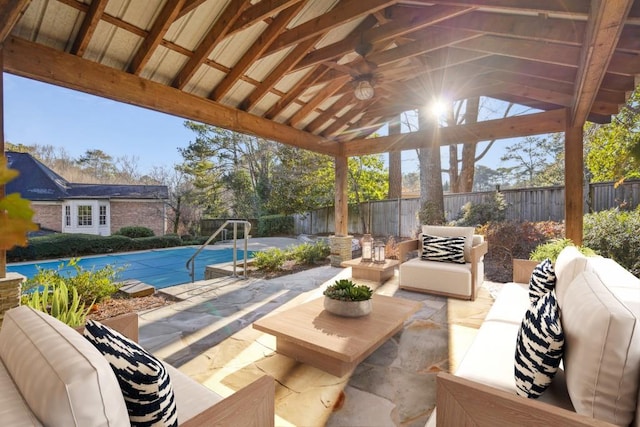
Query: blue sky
x=39 y=113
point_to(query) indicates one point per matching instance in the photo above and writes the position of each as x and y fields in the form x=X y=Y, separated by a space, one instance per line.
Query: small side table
x=371 y=271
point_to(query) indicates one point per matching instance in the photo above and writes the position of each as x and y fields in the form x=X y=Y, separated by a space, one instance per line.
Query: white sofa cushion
x=443 y=231
x=62 y=377
x=569 y=264
x=602 y=353
x=13 y=409
x=435 y=276
x=192 y=397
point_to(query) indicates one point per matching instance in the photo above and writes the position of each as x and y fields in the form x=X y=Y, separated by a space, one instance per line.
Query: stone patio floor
x=207 y=334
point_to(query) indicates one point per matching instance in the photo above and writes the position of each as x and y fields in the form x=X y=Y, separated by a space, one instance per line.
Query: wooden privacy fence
x=398 y=217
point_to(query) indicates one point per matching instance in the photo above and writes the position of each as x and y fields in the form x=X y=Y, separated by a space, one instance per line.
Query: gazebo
x=324 y=75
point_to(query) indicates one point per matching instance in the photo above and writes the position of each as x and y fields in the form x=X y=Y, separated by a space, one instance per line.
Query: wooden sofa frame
x=477 y=252
x=253 y=405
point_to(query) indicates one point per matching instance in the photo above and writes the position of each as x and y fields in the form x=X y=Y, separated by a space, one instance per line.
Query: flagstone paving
x=208 y=336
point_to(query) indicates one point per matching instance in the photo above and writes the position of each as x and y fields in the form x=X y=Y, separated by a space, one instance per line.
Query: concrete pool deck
x=207 y=334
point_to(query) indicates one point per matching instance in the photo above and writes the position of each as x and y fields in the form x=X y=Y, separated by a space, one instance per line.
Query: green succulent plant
x=58 y=304
x=346 y=290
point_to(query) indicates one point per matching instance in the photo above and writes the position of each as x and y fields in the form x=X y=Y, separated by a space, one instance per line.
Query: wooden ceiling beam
x=329 y=114
x=189 y=6
x=340 y=123
x=161 y=25
x=344 y=11
x=603 y=32
x=510 y=127
x=294 y=92
x=88 y=27
x=398 y=26
x=217 y=32
x=567 y=7
x=322 y=95
x=48 y=65
x=10 y=13
x=259 y=12
x=257 y=48
x=539 y=28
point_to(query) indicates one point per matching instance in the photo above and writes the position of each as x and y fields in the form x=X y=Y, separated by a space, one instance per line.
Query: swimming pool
x=158 y=267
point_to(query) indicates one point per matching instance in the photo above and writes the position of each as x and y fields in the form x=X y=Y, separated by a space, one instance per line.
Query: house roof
x=286 y=69
x=37 y=182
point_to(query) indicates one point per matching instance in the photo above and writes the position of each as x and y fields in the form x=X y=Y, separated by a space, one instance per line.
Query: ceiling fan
x=363 y=77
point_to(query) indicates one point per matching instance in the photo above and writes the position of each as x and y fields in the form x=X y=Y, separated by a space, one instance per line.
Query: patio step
x=225 y=269
x=135 y=288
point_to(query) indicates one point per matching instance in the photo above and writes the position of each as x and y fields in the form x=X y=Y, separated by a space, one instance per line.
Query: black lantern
x=378 y=252
x=367 y=248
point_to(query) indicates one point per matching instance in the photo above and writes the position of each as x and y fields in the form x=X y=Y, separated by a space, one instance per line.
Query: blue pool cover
x=159 y=267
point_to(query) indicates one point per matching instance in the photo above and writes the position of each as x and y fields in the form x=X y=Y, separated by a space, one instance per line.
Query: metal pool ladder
x=247 y=227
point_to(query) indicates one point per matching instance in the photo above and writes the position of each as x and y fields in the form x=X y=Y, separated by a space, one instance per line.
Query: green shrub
x=311 y=253
x=475 y=214
x=274 y=225
x=346 y=290
x=153 y=242
x=92 y=286
x=135 y=232
x=270 y=259
x=615 y=234
x=60 y=302
x=553 y=248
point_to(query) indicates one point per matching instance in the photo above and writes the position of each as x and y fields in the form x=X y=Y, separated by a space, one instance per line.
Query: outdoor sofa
x=449 y=278
x=597 y=383
x=51 y=375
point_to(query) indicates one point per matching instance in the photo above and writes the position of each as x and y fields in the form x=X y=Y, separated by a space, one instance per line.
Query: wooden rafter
x=318 y=99
x=213 y=37
x=10 y=13
x=570 y=7
x=88 y=27
x=259 y=12
x=329 y=113
x=295 y=92
x=603 y=33
x=254 y=52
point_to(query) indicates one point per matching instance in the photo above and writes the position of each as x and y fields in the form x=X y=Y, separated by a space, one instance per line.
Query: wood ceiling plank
x=189 y=6
x=159 y=28
x=257 y=48
x=531 y=124
x=630 y=40
x=259 y=12
x=10 y=13
x=45 y=64
x=343 y=121
x=568 y=7
x=324 y=93
x=344 y=11
x=528 y=27
x=603 y=33
x=330 y=112
x=295 y=92
x=88 y=27
x=395 y=28
x=217 y=32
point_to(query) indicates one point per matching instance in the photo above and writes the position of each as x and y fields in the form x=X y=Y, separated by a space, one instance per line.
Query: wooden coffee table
x=370 y=270
x=336 y=345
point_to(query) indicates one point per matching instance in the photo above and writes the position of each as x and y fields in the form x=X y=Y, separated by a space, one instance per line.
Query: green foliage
x=15 y=213
x=553 y=248
x=135 y=232
x=613 y=150
x=615 y=234
x=346 y=290
x=270 y=259
x=531 y=156
x=274 y=225
x=475 y=214
x=61 y=302
x=368 y=178
x=142 y=243
x=92 y=286
x=429 y=213
x=310 y=253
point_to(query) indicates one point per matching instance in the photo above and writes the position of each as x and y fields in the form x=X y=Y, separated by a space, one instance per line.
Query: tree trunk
x=395 y=165
x=431 y=194
x=469 y=150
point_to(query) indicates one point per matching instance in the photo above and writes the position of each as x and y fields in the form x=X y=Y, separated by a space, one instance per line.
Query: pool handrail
x=247 y=227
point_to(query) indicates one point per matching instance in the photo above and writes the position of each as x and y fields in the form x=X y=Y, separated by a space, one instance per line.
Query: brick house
x=100 y=209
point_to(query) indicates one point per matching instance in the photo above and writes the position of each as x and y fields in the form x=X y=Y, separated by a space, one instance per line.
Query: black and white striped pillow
x=543 y=280
x=143 y=379
x=444 y=249
x=539 y=347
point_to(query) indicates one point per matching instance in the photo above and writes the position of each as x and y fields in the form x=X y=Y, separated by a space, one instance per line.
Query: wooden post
x=573 y=182
x=3 y=253
x=341 y=197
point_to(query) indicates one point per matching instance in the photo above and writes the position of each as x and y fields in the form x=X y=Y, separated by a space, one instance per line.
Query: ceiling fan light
x=364 y=90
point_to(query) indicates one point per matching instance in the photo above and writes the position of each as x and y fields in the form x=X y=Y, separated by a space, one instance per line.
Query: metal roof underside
x=285 y=69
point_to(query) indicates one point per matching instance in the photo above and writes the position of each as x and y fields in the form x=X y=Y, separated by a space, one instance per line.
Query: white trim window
x=102 y=215
x=85 y=215
x=67 y=216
